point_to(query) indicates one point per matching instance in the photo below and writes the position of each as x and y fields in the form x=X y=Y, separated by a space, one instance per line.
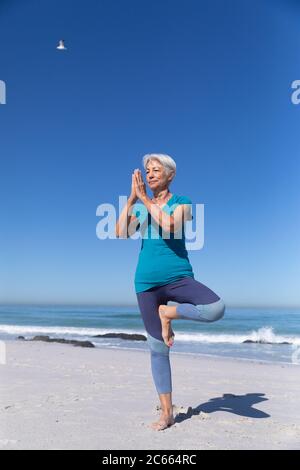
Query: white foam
x=262 y=335
x=58 y=330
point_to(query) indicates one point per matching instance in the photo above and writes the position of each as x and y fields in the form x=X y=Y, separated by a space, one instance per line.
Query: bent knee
x=218 y=310
x=215 y=311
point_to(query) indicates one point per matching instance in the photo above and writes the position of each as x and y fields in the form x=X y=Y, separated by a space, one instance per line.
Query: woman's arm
x=125 y=226
x=169 y=223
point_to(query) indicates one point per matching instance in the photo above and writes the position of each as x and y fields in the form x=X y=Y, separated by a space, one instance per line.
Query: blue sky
x=206 y=81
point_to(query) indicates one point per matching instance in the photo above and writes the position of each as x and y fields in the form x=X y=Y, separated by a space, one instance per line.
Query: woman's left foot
x=167 y=332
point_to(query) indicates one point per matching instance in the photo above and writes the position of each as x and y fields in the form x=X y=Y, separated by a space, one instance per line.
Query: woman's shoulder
x=182 y=199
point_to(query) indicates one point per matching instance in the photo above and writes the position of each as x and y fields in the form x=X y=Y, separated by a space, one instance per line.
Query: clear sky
x=206 y=81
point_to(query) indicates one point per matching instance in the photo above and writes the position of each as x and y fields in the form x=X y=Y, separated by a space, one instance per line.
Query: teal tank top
x=161 y=261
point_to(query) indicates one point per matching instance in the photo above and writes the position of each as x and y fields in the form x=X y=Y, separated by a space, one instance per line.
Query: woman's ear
x=171 y=176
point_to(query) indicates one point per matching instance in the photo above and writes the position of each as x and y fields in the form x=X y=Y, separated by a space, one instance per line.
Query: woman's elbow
x=120 y=234
x=176 y=228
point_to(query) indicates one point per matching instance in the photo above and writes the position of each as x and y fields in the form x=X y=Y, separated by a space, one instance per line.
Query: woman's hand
x=133 y=196
x=140 y=187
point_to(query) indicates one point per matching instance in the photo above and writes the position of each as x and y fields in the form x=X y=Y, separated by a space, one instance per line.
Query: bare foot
x=167 y=331
x=164 y=422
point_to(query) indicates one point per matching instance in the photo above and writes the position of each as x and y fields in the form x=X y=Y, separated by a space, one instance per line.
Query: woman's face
x=156 y=175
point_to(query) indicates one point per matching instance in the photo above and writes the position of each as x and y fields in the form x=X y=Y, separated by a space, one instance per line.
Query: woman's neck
x=161 y=195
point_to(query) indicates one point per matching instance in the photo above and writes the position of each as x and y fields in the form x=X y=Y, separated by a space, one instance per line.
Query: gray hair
x=167 y=162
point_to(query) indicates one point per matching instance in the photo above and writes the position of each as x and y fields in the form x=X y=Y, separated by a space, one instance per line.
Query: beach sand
x=57 y=396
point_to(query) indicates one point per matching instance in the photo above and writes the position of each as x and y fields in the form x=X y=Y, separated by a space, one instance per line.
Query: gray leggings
x=195 y=302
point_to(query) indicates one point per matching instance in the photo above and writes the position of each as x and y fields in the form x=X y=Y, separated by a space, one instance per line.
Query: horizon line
x=85 y=304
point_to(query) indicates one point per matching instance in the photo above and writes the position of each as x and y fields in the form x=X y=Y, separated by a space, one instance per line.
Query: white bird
x=61 y=45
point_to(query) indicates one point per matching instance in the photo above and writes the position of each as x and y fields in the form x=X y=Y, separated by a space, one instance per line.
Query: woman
x=164 y=272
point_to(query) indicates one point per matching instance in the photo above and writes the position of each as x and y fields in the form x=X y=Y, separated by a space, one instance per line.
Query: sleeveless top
x=161 y=260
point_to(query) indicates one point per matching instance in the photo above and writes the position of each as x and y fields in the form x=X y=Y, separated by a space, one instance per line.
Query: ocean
x=268 y=328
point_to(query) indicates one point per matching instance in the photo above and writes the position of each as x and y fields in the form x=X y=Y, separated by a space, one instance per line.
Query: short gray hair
x=167 y=162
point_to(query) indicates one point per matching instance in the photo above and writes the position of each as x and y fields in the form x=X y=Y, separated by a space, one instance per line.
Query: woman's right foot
x=164 y=422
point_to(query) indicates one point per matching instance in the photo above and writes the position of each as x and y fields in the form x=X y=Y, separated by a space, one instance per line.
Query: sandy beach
x=57 y=396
